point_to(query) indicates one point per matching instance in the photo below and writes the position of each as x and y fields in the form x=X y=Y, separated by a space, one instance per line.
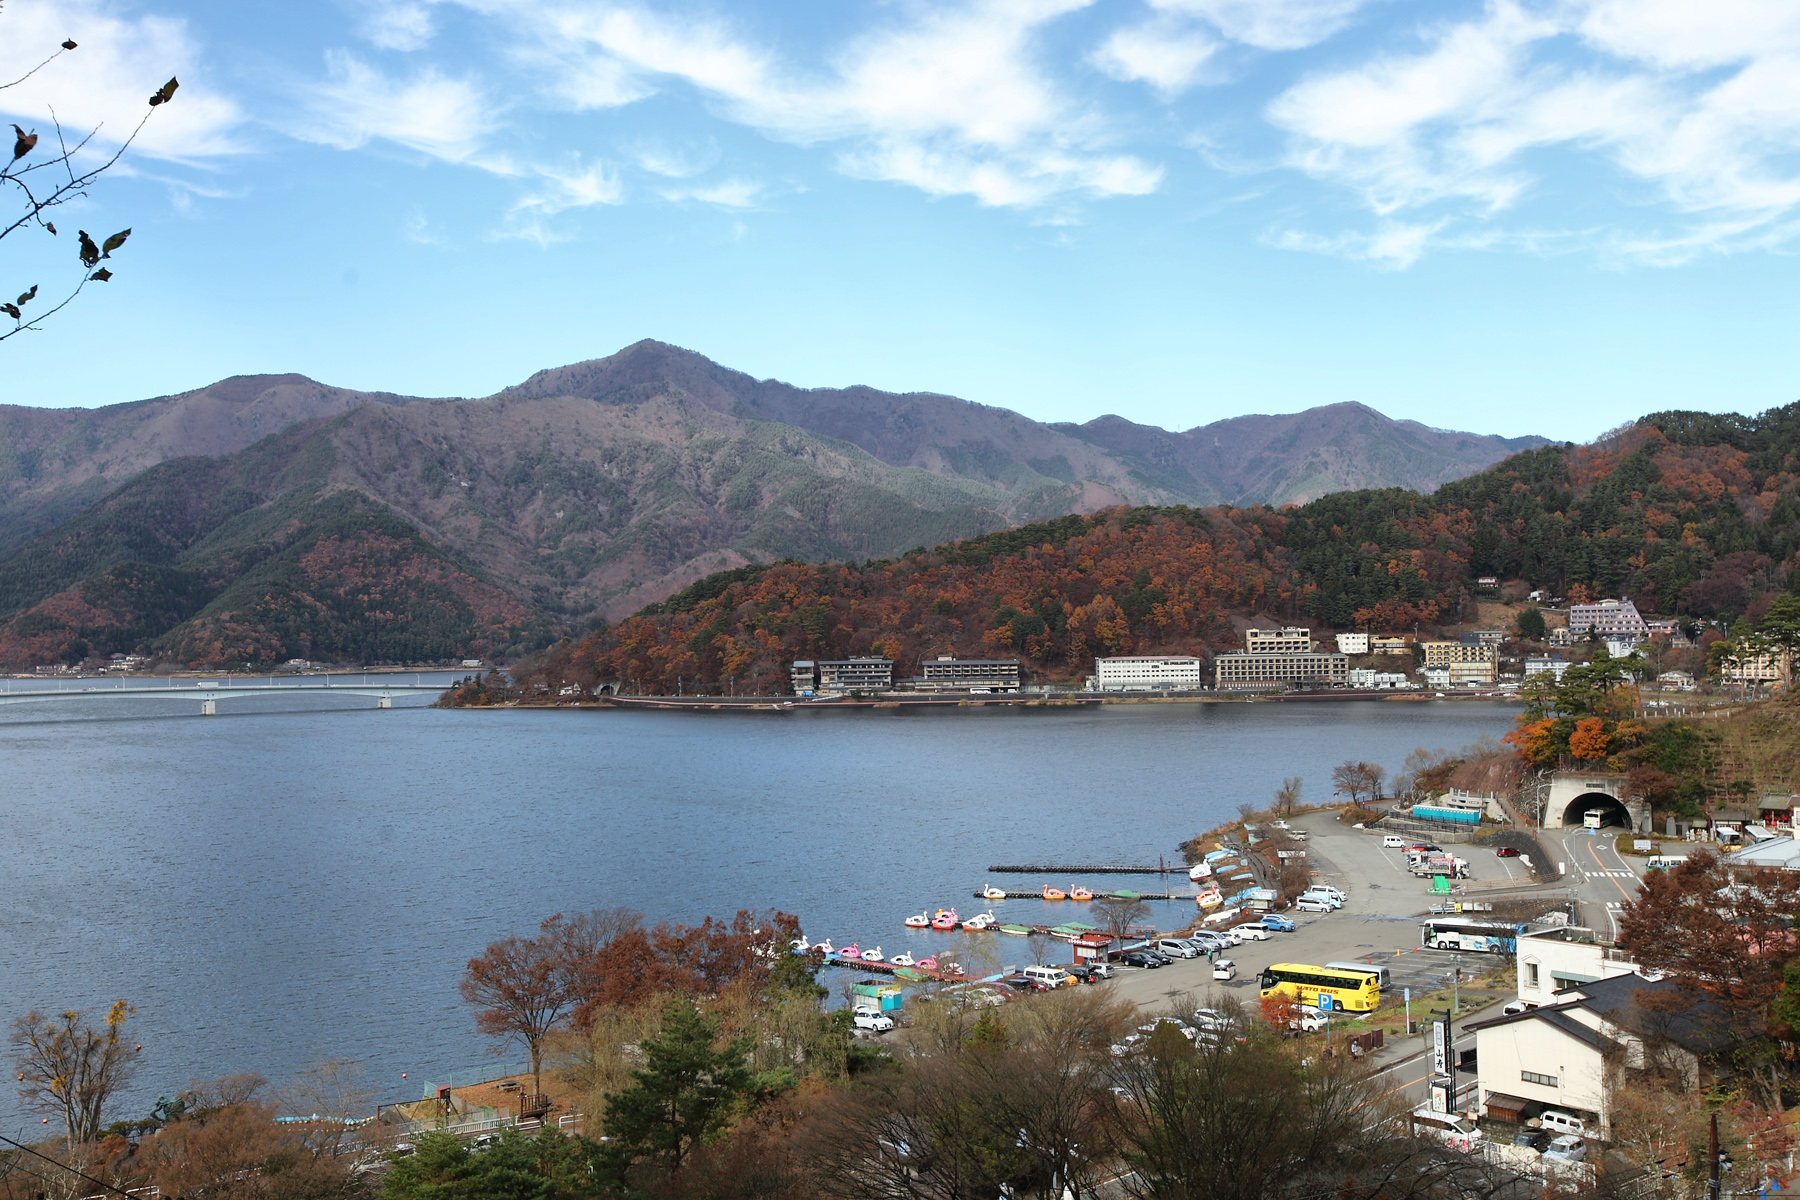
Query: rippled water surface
x=297 y=878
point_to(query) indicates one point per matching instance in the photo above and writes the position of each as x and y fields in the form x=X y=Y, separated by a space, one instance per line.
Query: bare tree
x=71 y=1070
x=1287 y=796
x=43 y=180
x=1118 y=914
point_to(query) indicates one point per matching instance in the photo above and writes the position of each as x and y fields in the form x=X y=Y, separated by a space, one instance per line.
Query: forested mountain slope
x=1686 y=514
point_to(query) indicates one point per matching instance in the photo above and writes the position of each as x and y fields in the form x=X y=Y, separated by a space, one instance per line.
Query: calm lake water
x=299 y=877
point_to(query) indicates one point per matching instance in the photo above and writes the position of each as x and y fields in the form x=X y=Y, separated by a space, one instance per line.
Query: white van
x=1557 y=1121
x=1048 y=976
x=1224 y=969
x=1392 y=841
x=1383 y=977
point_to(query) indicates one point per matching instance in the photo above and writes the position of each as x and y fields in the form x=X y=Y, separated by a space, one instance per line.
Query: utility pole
x=1712 y=1161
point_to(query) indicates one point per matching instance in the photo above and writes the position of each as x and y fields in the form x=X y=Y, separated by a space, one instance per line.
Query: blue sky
x=1508 y=217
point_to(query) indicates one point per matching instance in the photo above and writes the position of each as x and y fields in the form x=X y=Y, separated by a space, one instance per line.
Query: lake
x=298 y=877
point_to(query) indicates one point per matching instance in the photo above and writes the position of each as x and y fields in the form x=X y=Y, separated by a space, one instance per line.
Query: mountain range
x=271 y=516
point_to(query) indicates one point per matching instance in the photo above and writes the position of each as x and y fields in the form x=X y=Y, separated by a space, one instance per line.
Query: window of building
x=1531 y=974
x=1534 y=1077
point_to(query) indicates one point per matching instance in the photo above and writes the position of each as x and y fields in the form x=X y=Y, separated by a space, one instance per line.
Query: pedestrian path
x=1613 y=874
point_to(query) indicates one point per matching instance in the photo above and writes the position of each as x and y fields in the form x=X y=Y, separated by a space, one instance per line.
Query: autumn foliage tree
x=1723 y=933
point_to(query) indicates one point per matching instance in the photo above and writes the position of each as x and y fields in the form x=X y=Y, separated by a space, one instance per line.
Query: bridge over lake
x=209 y=692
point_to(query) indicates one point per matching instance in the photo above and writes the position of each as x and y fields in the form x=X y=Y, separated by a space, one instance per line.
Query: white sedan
x=878 y=1022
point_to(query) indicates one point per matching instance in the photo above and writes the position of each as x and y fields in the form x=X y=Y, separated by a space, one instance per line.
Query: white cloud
x=953 y=100
x=106 y=82
x=575 y=186
x=398 y=25
x=673 y=162
x=1396 y=244
x=1167 y=55
x=731 y=193
x=1270 y=24
x=1699 y=104
x=432 y=113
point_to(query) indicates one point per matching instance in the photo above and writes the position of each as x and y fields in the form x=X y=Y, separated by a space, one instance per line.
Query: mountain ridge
x=583 y=493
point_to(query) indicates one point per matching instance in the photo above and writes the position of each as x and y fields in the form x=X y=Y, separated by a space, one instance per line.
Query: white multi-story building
x=855 y=675
x=1550 y=960
x=1360 y=678
x=1144 y=673
x=1607 y=617
x=1289 y=640
x=1353 y=643
x=1546 y=666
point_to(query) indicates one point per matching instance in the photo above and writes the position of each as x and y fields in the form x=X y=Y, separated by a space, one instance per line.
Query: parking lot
x=1379 y=922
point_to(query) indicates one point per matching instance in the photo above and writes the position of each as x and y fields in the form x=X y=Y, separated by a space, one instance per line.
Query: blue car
x=1277 y=923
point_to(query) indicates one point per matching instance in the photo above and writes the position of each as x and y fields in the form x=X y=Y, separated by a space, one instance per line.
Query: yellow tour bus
x=1322 y=987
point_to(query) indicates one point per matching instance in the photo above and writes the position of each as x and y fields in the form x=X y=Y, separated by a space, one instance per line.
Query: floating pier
x=1111 y=869
x=1097 y=896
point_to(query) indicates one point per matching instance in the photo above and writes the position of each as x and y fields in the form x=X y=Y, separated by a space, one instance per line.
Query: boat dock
x=887 y=968
x=1113 y=869
x=980 y=895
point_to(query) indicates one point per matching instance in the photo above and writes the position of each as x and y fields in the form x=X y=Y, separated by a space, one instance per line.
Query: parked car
x=1137 y=958
x=1089 y=972
x=1320 y=894
x=1318 y=904
x=1514 y=1008
x=1535 y=1140
x=483 y=1141
x=1393 y=841
x=1507 y=852
x=1567 y=1148
x=1162 y=960
x=1224 y=969
x=1230 y=937
x=1124 y=1045
x=1208 y=942
x=1557 y=1121
x=1212 y=1019
x=1172 y=947
x=1307 y=1019
x=1277 y=922
x=877 y=1022
x=1252 y=933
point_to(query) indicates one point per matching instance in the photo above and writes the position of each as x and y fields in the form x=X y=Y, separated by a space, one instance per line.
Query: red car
x=1506 y=852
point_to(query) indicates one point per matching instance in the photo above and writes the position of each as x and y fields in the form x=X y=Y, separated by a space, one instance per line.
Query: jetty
x=1089 y=869
x=979 y=895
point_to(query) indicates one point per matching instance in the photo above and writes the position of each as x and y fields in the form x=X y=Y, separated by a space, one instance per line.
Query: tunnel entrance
x=1612 y=812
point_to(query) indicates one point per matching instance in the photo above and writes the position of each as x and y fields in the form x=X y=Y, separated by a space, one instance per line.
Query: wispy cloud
x=441 y=115
x=397 y=24
x=105 y=84
x=1696 y=104
x=954 y=100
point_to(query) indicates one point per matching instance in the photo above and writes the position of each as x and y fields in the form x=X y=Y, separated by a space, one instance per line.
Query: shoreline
x=783 y=705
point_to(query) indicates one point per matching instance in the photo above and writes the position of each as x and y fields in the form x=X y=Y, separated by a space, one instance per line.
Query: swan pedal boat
x=991 y=892
x=979 y=922
x=1051 y=893
x=918 y=921
x=1080 y=893
x=850 y=951
x=902 y=959
x=945 y=919
x=823 y=947
x=872 y=955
